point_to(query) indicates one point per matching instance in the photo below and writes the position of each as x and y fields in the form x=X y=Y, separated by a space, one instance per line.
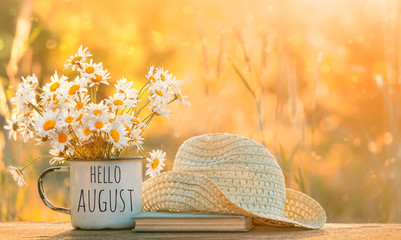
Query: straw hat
x=230 y=174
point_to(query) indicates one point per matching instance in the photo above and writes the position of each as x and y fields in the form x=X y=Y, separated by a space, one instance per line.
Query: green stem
x=36 y=108
x=141 y=108
x=148 y=122
x=144 y=87
x=33 y=160
x=143 y=155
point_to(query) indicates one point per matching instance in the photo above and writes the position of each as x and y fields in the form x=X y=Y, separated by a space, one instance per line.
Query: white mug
x=104 y=194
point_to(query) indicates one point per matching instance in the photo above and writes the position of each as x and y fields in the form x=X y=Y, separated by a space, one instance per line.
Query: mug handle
x=42 y=192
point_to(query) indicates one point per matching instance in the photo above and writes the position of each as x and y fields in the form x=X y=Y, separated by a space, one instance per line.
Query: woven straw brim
x=188 y=192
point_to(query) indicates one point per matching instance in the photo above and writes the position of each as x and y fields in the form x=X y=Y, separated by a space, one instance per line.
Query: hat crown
x=245 y=171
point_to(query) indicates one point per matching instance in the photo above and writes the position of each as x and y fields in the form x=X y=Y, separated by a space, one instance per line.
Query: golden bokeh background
x=324 y=87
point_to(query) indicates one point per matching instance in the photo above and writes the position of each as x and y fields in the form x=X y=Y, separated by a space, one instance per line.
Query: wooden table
x=41 y=230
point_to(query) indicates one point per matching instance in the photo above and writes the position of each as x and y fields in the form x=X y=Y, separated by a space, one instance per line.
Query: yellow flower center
x=134 y=120
x=54 y=86
x=152 y=79
x=179 y=96
x=73 y=89
x=89 y=69
x=56 y=102
x=118 y=102
x=27 y=113
x=99 y=125
x=162 y=77
x=79 y=105
x=62 y=137
x=158 y=92
x=127 y=129
x=111 y=120
x=76 y=59
x=97 y=78
x=79 y=118
x=49 y=125
x=87 y=131
x=69 y=119
x=97 y=112
x=155 y=163
x=125 y=94
x=135 y=139
x=115 y=135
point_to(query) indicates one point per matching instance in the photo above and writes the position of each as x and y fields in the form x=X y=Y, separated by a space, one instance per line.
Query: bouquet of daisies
x=67 y=113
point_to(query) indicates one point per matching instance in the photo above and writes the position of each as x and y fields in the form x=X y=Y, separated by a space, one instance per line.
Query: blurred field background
x=317 y=82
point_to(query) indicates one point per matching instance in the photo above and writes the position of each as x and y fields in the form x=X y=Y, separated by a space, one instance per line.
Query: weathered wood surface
x=40 y=230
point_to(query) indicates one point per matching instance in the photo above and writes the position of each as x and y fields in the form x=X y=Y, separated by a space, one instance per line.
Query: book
x=183 y=222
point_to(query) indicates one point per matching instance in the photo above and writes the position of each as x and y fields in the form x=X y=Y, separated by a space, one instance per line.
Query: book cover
x=170 y=221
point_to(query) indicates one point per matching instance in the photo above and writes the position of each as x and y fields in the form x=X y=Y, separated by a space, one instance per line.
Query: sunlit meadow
x=317 y=82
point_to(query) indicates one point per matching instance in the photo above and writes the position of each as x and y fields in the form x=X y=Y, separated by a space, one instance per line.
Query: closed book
x=177 y=222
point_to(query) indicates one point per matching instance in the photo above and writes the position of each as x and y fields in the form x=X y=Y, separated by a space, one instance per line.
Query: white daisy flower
x=150 y=76
x=12 y=126
x=58 y=156
x=125 y=87
x=56 y=102
x=155 y=163
x=123 y=84
x=97 y=124
x=163 y=77
x=159 y=92
x=46 y=124
x=159 y=108
x=117 y=135
x=97 y=110
x=17 y=175
x=30 y=81
x=26 y=130
x=98 y=76
x=124 y=118
x=26 y=124
x=68 y=118
x=137 y=139
x=137 y=122
x=79 y=58
x=25 y=97
x=83 y=133
x=60 y=139
x=173 y=83
x=52 y=90
x=55 y=83
x=180 y=98
x=165 y=112
x=88 y=69
x=80 y=103
x=119 y=100
x=75 y=87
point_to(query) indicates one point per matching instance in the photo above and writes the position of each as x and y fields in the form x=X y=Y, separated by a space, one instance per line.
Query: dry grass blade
x=20 y=40
x=288 y=166
x=248 y=87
